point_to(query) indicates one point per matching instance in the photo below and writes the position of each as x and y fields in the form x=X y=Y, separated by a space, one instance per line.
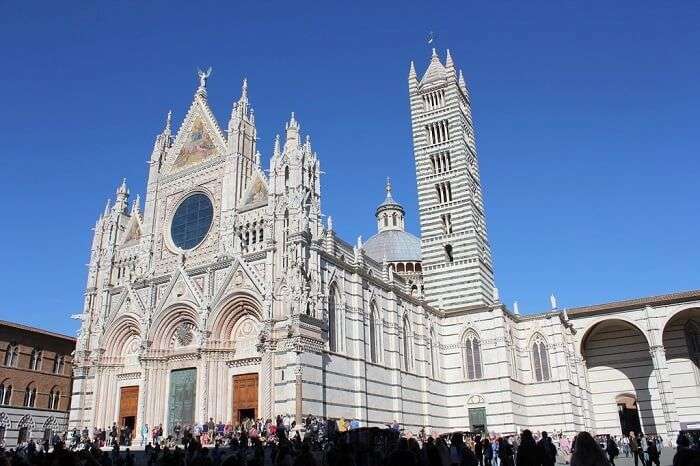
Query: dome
x=394 y=245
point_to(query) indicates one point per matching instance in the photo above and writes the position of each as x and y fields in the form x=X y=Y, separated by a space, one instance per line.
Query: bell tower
x=456 y=256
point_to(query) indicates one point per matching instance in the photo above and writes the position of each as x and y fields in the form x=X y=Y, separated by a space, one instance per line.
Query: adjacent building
x=229 y=295
x=35 y=382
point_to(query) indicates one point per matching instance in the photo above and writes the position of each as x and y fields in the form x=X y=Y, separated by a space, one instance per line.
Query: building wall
x=40 y=416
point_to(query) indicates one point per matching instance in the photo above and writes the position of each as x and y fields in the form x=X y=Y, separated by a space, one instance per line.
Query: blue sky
x=586 y=120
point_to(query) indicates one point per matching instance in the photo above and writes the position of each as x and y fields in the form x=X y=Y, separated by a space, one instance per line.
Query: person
x=634 y=449
x=653 y=455
x=626 y=446
x=684 y=456
x=460 y=454
x=505 y=452
x=479 y=450
x=587 y=452
x=144 y=434
x=527 y=452
x=611 y=449
x=546 y=451
x=488 y=451
x=565 y=447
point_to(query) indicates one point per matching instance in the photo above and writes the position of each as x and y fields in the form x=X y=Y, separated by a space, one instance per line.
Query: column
x=298 y=371
x=663 y=382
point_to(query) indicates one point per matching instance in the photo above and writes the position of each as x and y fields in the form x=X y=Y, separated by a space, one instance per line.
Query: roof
x=36 y=330
x=394 y=245
x=659 y=300
x=435 y=72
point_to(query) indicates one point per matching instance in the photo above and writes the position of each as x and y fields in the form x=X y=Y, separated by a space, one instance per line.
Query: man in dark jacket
x=546 y=451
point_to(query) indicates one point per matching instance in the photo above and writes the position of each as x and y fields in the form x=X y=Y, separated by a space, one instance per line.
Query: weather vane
x=431 y=38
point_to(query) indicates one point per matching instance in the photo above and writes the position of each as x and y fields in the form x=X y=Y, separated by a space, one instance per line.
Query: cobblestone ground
x=666 y=459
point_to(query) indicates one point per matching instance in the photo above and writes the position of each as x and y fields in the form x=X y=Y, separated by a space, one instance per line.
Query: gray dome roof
x=395 y=245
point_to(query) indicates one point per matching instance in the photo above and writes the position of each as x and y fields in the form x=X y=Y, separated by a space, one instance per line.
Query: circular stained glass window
x=191 y=221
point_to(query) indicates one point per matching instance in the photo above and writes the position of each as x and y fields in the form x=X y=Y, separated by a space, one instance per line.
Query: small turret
x=390 y=214
x=122 y=201
x=292 y=133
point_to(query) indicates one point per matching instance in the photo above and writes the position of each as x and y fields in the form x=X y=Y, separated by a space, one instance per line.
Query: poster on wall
x=181 y=402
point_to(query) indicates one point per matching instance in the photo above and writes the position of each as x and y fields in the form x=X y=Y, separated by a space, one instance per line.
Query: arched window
x=30 y=395
x=54 y=398
x=386 y=220
x=58 y=364
x=472 y=356
x=11 y=355
x=35 y=361
x=5 y=393
x=448 y=253
x=333 y=333
x=393 y=219
x=540 y=359
x=407 y=347
x=373 y=335
x=286 y=176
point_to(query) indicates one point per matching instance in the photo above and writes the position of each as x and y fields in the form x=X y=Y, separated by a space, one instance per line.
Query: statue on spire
x=203 y=76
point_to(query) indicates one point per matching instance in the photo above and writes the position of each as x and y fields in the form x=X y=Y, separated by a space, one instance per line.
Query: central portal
x=128 y=407
x=245 y=397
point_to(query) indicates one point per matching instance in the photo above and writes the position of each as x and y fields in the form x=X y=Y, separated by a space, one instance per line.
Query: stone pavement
x=666 y=458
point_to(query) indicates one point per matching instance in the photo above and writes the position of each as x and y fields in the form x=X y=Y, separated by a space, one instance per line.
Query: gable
x=256 y=194
x=197 y=146
x=133 y=232
x=199 y=138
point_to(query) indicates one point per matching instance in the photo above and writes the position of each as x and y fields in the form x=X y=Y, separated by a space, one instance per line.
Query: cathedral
x=228 y=295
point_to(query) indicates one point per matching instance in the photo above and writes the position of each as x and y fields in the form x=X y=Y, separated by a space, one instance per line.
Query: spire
x=390 y=214
x=553 y=301
x=276 y=148
x=435 y=55
x=135 y=208
x=450 y=66
x=108 y=207
x=121 y=202
x=330 y=223
x=516 y=310
x=292 y=133
x=168 y=123
x=307 y=144
x=244 y=91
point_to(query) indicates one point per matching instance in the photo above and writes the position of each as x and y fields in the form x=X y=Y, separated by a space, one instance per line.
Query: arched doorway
x=618 y=362
x=681 y=340
x=628 y=412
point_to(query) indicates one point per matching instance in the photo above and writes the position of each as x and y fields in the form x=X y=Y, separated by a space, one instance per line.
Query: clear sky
x=586 y=116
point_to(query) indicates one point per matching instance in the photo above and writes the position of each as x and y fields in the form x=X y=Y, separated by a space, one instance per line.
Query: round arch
x=591 y=326
x=226 y=316
x=166 y=322
x=121 y=331
x=618 y=365
x=692 y=309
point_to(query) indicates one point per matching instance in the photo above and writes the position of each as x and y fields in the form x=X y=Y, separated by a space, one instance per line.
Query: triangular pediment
x=256 y=194
x=179 y=290
x=239 y=277
x=133 y=231
x=198 y=139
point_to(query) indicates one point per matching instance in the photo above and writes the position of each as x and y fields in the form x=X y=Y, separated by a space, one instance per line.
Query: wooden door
x=128 y=407
x=245 y=396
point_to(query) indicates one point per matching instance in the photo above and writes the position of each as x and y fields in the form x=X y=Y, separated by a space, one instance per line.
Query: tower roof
x=436 y=70
x=389 y=201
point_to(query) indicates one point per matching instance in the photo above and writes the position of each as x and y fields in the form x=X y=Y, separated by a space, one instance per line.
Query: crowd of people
x=320 y=442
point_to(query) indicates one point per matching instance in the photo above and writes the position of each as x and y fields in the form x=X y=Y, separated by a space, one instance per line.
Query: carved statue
x=203 y=76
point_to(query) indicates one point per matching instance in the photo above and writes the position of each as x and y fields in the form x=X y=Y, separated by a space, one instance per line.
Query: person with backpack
x=611 y=449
